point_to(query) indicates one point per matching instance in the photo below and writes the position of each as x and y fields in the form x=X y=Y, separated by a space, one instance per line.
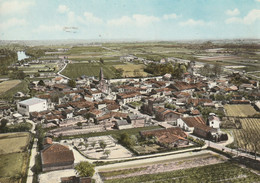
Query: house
x=128 y=97
x=170 y=137
x=163 y=114
x=188 y=123
x=136 y=120
x=205 y=132
x=31 y=105
x=123 y=124
x=213 y=121
x=56 y=157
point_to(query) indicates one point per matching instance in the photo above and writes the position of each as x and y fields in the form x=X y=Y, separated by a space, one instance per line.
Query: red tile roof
x=56 y=153
x=194 y=121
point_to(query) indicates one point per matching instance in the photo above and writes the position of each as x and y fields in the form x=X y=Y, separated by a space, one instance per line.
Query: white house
x=188 y=123
x=31 y=105
x=214 y=121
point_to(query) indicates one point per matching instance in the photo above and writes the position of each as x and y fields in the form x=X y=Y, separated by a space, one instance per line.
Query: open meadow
x=13 y=156
x=7 y=85
x=240 y=110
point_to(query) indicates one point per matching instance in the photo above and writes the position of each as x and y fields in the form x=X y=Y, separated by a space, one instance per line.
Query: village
x=78 y=120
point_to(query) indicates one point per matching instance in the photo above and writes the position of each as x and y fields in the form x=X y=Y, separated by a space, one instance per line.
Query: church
x=102 y=83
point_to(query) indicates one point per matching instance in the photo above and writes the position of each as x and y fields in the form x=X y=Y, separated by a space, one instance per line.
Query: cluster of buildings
x=98 y=105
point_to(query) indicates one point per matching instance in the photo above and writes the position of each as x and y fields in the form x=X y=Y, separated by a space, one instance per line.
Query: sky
x=129 y=19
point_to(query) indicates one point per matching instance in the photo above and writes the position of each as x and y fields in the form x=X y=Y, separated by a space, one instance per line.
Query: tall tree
x=85 y=169
x=72 y=83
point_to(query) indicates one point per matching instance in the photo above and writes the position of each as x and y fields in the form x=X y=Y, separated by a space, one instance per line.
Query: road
x=59 y=73
x=222 y=147
x=32 y=162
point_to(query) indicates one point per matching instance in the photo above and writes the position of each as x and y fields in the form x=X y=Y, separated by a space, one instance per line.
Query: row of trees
x=7 y=57
x=211 y=71
x=177 y=70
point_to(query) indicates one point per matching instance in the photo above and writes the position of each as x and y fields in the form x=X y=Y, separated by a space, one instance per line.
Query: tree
x=107 y=152
x=119 y=73
x=79 y=124
x=125 y=139
x=102 y=144
x=41 y=83
x=101 y=60
x=18 y=75
x=72 y=83
x=216 y=69
x=85 y=169
x=3 y=123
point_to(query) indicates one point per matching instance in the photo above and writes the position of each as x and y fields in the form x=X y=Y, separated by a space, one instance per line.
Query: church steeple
x=101 y=75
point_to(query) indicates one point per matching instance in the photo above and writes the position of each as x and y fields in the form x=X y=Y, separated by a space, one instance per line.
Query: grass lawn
x=132 y=70
x=21 y=87
x=222 y=172
x=13 y=142
x=7 y=85
x=13 y=165
x=13 y=156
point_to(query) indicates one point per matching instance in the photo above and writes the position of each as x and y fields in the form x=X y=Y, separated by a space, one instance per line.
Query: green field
x=13 y=156
x=21 y=87
x=89 y=69
x=7 y=85
x=9 y=142
x=222 y=172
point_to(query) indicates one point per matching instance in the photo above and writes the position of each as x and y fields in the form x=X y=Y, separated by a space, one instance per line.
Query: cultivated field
x=221 y=172
x=7 y=85
x=13 y=156
x=251 y=124
x=75 y=70
x=89 y=69
x=240 y=110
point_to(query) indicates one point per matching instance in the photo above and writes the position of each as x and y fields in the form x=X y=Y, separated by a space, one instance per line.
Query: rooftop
x=32 y=101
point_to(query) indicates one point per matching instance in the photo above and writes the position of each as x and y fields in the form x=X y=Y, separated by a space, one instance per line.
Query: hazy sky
x=129 y=19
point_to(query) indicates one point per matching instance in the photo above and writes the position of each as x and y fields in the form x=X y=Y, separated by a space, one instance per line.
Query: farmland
x=92 y=69
x=242 y=110
x=7 y=85
x=248 y=124
x=221 y=172
x=21 y=87
x=13 y=152
x=89 y=69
